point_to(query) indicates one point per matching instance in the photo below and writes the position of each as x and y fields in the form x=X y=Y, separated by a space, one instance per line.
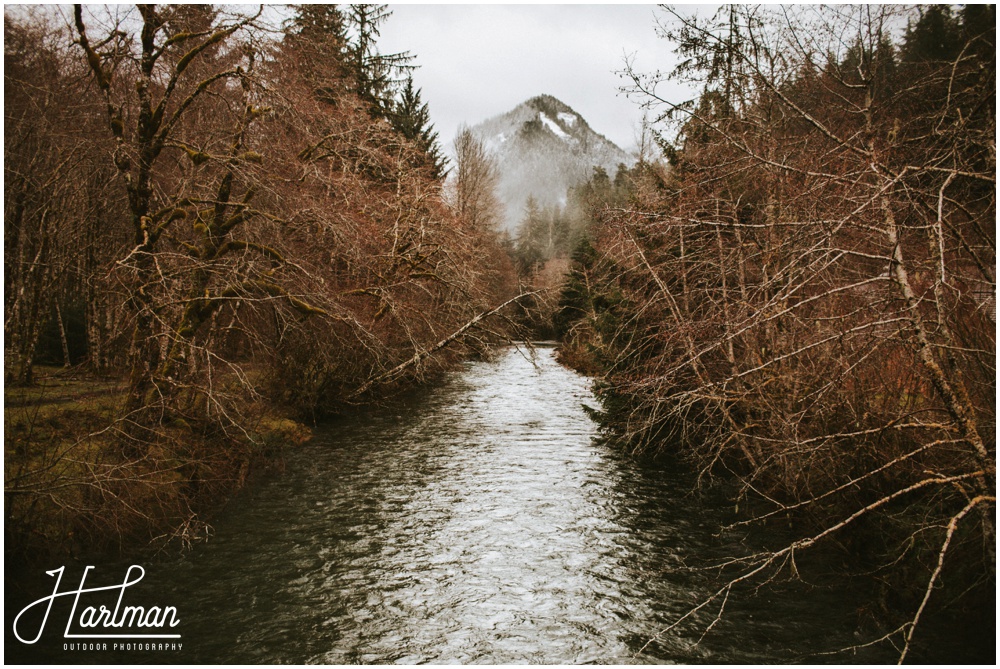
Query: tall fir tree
x=936 y=36
x=319 y=34
x=411 y=118
x=375 y=75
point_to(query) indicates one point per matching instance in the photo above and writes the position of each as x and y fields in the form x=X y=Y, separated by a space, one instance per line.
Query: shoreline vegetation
x=59 y=436
x=803 y=298
x=226 y=232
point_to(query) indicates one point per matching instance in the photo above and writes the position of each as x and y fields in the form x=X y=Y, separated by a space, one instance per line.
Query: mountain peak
x=544 y=147
x=549 y=104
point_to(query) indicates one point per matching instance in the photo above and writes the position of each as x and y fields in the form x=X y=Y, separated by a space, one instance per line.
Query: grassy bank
x=70 y=488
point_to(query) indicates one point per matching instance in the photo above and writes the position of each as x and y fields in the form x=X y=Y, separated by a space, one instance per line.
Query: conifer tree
x=411 y=118
x=319 y=34
x=319 y=23
x=375 y=75
x=531 y=236
x=934 y=37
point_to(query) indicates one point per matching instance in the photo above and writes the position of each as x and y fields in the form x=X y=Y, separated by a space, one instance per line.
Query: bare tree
x=249 y=240
x=801 y=296
x=474 y=186
x=47 y=163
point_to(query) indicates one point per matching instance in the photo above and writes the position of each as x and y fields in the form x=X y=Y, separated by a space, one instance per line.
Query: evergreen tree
x=374 y=75
x=529 y=248
x=710 y=52
x=412 y=120
x=575 y=299
x=935 y=36
x=979 y=32
x=319 y=34
x=561 y=232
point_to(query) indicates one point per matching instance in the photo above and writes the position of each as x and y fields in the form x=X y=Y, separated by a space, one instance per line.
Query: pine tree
x=411 y=118
x=375 y=75
x=531 y=236
x=935 y=37
x=319 y=34
x=576 y=300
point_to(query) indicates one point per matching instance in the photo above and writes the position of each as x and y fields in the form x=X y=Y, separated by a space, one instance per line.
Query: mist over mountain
x=543 y=147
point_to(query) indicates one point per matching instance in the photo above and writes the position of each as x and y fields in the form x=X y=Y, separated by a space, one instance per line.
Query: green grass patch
x=71 y=486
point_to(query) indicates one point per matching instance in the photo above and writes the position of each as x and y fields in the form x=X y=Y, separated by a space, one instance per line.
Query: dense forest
x=803 y=297
x=225 y=227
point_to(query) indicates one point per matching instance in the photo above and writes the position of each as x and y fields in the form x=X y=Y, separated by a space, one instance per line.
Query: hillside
x=542 y=148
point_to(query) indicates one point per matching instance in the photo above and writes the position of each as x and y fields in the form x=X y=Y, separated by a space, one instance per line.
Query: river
x=482 y=521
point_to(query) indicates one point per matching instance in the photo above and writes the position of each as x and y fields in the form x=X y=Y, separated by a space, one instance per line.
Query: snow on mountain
x=543 y=147
x=553 y=126
x=568 y=119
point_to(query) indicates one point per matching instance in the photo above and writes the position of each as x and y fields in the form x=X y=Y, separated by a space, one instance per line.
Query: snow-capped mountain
x=542 y=148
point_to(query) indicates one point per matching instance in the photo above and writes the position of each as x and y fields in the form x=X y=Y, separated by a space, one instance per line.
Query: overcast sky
x=477 y=61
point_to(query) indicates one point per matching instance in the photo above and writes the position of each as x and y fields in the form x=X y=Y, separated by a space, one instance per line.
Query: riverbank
x=829 y=545
x=70 y=489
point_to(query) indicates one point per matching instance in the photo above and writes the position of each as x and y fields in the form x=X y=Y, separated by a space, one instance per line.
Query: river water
x=482 y=522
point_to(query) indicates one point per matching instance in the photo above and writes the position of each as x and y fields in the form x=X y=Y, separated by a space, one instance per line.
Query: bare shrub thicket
x=246 y=228
x=807 y=298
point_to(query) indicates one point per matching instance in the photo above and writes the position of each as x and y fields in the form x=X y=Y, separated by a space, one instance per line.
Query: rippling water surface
x=480 y=523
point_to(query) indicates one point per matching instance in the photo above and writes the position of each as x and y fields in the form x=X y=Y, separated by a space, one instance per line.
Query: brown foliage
x=806 y=300
x=258 y=237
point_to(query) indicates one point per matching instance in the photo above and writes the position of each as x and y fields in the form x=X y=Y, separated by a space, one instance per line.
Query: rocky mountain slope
x=543 y=147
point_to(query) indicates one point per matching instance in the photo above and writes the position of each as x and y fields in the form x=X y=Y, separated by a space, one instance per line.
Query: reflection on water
x=483 y=522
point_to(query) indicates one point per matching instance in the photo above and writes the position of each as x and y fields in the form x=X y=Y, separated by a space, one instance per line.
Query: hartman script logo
x=122 y=622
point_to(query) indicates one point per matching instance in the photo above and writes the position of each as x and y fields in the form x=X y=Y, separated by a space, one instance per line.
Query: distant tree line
x=553 y=231
x=804 y=296
x=548 y=236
